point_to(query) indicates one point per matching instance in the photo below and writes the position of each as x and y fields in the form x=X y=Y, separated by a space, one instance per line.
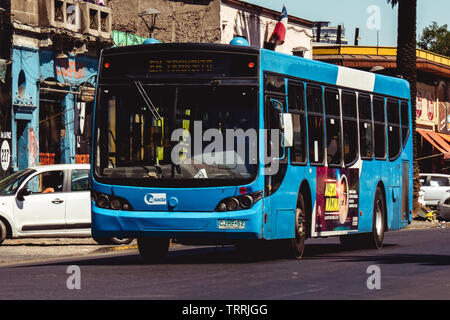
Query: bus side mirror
x=22 y=193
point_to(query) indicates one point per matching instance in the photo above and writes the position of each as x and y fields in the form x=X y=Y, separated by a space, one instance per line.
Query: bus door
x=406 y=164
x=394 y=162
x=275 y=160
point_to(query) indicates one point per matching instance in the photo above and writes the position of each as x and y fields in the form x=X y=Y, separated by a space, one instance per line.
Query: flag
x=279 y=33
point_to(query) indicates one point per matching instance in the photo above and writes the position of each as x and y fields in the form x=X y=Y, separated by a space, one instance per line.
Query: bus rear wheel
x=374 y=239
x=153 y=250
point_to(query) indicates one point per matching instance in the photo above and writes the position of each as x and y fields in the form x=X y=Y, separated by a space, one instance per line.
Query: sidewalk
x=14 y=251
x=423 y=224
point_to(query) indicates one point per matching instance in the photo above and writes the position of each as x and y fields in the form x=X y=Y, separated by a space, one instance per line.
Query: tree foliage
x=436 y=39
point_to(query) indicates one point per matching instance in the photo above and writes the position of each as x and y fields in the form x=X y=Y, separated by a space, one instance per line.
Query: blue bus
x=231 y=144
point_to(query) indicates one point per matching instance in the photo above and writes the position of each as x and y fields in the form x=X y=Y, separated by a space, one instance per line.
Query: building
x=51 y=49
x=432 y=101
x=324 y=33
x=211 y=21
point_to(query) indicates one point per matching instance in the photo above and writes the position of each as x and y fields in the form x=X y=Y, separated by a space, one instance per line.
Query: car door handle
x=57 y=201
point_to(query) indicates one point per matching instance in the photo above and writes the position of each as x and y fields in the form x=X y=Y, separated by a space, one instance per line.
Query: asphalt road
x=413 y=264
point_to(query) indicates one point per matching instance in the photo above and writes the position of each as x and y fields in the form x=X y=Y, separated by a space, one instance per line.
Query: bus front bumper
x=240 y=224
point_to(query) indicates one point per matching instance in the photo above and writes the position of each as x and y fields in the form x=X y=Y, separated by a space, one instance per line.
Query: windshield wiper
x=148 y=102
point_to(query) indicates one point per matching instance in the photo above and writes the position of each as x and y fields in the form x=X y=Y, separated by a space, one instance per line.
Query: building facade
x=53 y=48
x=432 y=101
x=210 y=21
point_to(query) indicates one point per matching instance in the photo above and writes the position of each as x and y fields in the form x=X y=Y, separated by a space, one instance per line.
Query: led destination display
x=170 y=63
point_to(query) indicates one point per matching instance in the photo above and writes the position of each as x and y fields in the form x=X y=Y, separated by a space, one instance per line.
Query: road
x=413 y=264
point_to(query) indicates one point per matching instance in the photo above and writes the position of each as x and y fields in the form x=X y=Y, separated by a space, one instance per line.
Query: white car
x=48 y=201
x=435 y=189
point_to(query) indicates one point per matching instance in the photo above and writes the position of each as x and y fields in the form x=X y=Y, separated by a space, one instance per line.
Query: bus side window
x=393 y=115
x=350 y=128
x=379 y=128
x=296 y=104
x=365 y=127
x=405 y=121
x=315 y=124
x=273 y=122
x=333 y=118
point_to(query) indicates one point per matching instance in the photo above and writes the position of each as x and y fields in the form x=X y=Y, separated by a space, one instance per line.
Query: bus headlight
x=106 y=201
x=239 y=203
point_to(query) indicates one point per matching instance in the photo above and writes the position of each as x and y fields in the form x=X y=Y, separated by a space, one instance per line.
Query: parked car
x=48 y=201
x=443 y=210
x=435 y=189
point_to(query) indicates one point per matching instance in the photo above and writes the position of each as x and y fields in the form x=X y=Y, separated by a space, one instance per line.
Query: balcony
x=80 y=17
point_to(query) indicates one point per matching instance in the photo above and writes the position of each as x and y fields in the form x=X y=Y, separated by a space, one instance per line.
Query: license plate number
x=232 y=224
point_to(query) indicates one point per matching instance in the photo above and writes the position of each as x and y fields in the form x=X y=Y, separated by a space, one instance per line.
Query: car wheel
x=112 y=241
x=121 y=240
x=3 y=231
x=153 y=250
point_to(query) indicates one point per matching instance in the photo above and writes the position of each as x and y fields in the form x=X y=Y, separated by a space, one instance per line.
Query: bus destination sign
x=181 y=66
x=170 y=63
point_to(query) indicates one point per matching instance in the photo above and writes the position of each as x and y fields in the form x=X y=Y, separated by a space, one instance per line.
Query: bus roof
x=292 y=66
x=327 y=73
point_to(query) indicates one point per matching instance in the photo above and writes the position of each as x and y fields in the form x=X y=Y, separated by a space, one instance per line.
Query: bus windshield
x=155 y=133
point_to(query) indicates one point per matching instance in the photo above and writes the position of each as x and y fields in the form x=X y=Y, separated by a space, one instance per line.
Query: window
x=379 y=128
x=333 y=118
x=437 y=181
x=365 y=127
x=393 y=115
x=80 y=180
x=315 y=124
x=273 y=122
x=47 y=182
x=350 y=127
x=274 y=83
x=405 y=121
x=296 y=95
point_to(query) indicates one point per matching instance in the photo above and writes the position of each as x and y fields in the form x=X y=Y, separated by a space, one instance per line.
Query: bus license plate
x=232 y=224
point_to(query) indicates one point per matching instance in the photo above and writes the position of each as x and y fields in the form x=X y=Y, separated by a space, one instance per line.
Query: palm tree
x=406 y=67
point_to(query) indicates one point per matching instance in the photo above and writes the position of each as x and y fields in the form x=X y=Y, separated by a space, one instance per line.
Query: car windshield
x=10 y=184
x=166 y=133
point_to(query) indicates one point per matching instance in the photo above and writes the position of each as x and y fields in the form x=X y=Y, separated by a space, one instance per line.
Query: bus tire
x=376 y=237
x=153 y=250
x=298 y=243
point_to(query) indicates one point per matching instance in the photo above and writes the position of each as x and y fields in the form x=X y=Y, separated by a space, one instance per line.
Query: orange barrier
x=82 y=158
x=46 y=158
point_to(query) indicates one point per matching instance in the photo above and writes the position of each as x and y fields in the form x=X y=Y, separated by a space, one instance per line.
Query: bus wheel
x=153 y=250
x=298 y=243
x=376 y=237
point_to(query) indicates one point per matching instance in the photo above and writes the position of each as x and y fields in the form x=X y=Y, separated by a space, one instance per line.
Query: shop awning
x=439 y=140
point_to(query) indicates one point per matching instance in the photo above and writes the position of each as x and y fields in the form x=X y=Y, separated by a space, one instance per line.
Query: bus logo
x=155 y=198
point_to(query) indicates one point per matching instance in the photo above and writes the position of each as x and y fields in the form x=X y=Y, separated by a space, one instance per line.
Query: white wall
x=258 y=29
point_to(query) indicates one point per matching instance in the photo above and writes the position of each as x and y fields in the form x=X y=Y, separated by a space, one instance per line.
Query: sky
x=368 y=15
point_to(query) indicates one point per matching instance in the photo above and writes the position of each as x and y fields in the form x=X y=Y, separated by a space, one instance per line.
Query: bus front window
x=193 y=132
